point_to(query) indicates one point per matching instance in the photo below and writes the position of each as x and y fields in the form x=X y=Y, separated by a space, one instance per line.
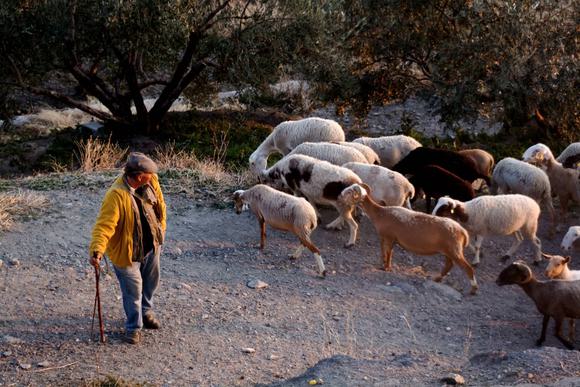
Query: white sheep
x=391 y=149
x=571 y=239
x=288 y=134
x=571 y=151
x=283 y=212
x=564 y=182
x=515 y=176
x=514 y=214
x=416 y=232
x=368 y=152
x=389 y=188
x=333 y=153
x=320 y=182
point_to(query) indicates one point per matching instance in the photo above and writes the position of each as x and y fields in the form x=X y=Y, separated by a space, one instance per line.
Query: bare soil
x=359 y=326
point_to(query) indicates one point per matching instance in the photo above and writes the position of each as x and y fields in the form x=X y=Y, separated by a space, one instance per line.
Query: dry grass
x=97 y=155
x=19 y=204
x=184 y=172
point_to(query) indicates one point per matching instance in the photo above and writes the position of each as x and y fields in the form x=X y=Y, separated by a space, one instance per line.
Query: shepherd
x=130 y=229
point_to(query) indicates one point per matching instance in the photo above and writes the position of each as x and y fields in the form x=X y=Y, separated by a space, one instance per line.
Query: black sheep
x=454 y=162
x=437 y=182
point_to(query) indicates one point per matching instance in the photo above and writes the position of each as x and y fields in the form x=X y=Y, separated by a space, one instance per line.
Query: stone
x=12 y=340
x=25 y=366
x=443 y=290
x=1 y=263
x=5 y=353
x=44 y=364
x=453 y=379
x=257 y=284
x=248 y=350
x=14 y=262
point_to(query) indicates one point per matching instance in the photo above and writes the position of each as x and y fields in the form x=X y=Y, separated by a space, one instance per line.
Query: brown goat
x=416 y=232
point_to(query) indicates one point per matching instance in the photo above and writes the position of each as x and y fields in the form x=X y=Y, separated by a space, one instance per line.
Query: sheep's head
x=450 y=208
x=556 y=265
x=537 y=154
x=518 y=273
x=239 y=201
x=354 y=194
x=258 y=163
x=571 y=239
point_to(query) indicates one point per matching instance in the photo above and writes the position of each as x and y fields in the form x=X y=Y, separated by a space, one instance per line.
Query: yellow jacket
x=113 y=230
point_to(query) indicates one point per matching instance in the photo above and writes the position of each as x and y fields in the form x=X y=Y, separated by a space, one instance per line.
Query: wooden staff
x=97 y=306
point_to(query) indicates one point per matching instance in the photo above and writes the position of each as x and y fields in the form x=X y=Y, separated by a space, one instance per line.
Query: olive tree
x=118 y=52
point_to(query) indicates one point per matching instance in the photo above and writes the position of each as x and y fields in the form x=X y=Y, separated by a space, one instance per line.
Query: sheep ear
x=567 y=259
x=546 y=256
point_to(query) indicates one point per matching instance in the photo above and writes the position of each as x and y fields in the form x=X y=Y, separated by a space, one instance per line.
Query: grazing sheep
x=556 y=299
x=515 y=176
x=391 y=149
x=416 y=232
x=458 y=164
x=320 y=182
x=288 y=134
x=564 y=182
x=569 y=156
x=483 y=160
x=571 y=239
x=436 y=182
x=333 y=153
x=368 y=152
x=283 y=212
x=515 y=215
x=389 y=188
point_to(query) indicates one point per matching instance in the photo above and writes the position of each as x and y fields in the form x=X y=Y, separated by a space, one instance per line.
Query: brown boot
x=150 y=322
x=132 y=337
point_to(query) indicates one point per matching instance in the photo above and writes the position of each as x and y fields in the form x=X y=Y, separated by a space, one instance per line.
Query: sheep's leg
x=460 y=260
x=445 y=271
x=542 y=338
x=477 y=249
x=336 y=224
x=572 y=330
x=514 y=246
x=352 y=226
x=262 y=233
x=560 y=336
x=387 y=252
x=297 y=253
x=308 y=244
x=538 y=249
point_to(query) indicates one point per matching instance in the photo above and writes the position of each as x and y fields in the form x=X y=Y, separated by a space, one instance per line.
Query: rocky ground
x=360 y=326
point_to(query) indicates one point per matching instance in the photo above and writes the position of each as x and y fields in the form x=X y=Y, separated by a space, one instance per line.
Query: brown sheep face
x=238 y=201
x=517 y=273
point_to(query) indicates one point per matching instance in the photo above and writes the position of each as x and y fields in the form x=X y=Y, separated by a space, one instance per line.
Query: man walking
x=130 y=228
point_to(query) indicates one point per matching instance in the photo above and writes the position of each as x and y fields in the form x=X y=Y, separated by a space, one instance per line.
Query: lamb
x=389 y=188
x=416 y=232
x=515 y=215
x=484 y=161
x=458 y=164
x=515 y=176
x=371 y=156
x=557 y=268
x=569 y=156
x=284 y=212
x=564 y=182
x=288 y=134
x=391 y=149
x=320 y=182
x=333 y=153
x=436 y=182
x=571 y=239
x=556 y=299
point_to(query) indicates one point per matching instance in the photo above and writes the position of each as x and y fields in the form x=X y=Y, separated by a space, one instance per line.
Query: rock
x=5 y=353
x=248 y=350
x=448 y=329
x=185 y=286
x=1 y=263
x=14 y=262
x=257 y=284
x=453 y=379
x=12 y=340
x=44 y=364
x=25 y=366
x=178 y=251
x=273 y=357
x=488 y=358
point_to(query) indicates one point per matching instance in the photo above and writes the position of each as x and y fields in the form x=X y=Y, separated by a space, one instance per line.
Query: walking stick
x=97 y=306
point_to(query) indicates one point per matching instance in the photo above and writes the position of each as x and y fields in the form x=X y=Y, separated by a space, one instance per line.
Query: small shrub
x=18 y=205
x=97 y=155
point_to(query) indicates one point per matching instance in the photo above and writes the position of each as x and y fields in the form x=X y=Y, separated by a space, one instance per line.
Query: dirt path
x=359 y=326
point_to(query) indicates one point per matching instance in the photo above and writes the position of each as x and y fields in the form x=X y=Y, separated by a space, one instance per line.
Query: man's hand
x=95 y=259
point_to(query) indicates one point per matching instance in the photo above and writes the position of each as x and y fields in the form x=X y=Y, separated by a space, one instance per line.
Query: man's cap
x=138 y=162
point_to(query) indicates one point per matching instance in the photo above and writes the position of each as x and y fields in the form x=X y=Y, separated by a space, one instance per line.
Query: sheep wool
x=333 y=153
x=571 y=239
x=390 y=149
x=289 y=134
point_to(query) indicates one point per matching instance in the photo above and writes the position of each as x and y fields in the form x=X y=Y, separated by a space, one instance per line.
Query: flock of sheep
x=383 y=176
